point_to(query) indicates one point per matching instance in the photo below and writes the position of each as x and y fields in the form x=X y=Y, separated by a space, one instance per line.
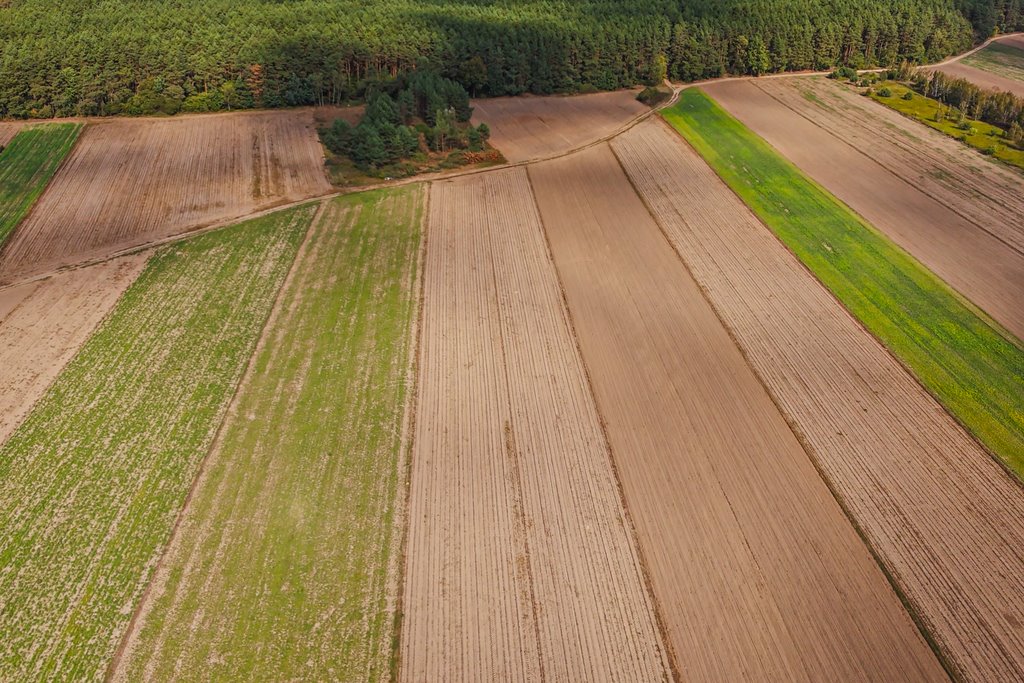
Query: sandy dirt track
x=525 y=128
x=946 y=521
x=42 y=324
x=974 y=262
x=520 y=562
x=983 y=78
x=758 y=573
x=129 y=181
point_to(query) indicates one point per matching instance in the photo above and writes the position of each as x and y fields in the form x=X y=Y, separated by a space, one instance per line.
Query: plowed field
x=984 y=78
x=129 y=181
x=944 y=519
x=758 y=573
x=520 y=561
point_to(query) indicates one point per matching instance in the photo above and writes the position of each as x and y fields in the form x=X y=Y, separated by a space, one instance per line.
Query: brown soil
x=520 y=562
x=967 y=255
x=8 y=131
x=129 y=181
x=944 y=519
x=42 y=324
x=524 y=128
x=759 y=574
x=984 y=79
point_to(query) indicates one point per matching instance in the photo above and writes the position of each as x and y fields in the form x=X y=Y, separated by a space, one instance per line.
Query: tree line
x=90 y=57
x=1002 y=109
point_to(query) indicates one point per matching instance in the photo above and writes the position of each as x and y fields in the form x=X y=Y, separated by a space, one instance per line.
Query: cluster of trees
x=418 y=109
x=1002 y=109
x=86 y=57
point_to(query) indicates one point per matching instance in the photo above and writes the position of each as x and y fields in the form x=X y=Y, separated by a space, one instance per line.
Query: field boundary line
x=808 y=450
x=667 y=652
x=215 y=445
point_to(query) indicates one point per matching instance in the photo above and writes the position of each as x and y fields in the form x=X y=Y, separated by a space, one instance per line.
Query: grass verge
x=972 y=366
x=91 y=483
x=26 y=165
x=280 y=570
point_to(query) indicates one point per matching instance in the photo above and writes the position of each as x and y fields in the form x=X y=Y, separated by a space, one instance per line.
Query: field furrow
x=130 y=181
x=758 y=573
x=943 y=518
x=982 y=267
x=520 y=560
x=92 y=481
x=284 y=565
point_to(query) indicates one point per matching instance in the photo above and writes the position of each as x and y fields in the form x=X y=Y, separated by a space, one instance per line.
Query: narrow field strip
x=1004 y=59
x=943 y=518
x=92 y=481
x=27 y=163
x=757 y=571
x=960 y=356
x=280 y=568
x=521 y=564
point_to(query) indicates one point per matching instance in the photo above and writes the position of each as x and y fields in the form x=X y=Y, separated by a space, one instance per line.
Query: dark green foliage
x=884 y=92
x=1001 y=109
x=82 y=57
x=652 y=96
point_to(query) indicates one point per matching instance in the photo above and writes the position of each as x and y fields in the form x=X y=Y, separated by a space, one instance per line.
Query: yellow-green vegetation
x=961 y=356
x=26 y=165
x=983 y=136
x=92 y=481
x=1004 y=60
x=285 y=562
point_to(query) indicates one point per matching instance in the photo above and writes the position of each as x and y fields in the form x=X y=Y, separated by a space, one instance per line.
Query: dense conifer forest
x=98 y=57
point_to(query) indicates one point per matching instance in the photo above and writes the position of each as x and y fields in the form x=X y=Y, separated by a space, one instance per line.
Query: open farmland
x=951 y=348
x=1003 y=57
x=984 y=78
x=130 y=181
x=758 y=573
x=971 y=259
x=42 y=324
x=945 y=520
x=285 y=564
x=92 y=481
x=8 y=129
x=27 y=163
x=526 y=128
x=520 y=560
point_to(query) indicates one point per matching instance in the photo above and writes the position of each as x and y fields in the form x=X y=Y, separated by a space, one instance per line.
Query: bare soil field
x=42 y=324
x=944 y=519
x=521 y=564
x=988 y=194
x=757 y=572
x=525 y=128
x=981 y=266
x=129 y=181
x=983 y=78
x=7 y=131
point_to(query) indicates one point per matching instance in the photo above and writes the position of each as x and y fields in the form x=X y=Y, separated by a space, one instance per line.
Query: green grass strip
x=26 y=166
x=280 y=571
x=92 y=481
x=1004 y=60
x=962 y=357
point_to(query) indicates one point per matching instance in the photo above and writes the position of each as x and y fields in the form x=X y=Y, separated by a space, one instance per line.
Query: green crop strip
x=91 y=483
x=1004 y=60
x=285 y=549
x=26 y=165
x=969 y=363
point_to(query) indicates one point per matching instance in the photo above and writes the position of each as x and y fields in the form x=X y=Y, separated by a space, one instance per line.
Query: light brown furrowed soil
x=42 y=324
x=132 y=180
x=984 y=79
x=7 y=131
x=973 y=261
x=758 y=573
x=944 y=519
x=520 y=562
x=525 y=128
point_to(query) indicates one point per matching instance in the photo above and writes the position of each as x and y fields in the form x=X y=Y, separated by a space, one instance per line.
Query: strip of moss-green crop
x=26 y=165
x=281 y=568
x=970 y=364
x=1004 y=60
x=91 y=483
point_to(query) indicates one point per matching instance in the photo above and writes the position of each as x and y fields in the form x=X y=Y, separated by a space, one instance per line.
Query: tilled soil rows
x=758 y=573
x=520 y=561
x=982 y=266
x=943 y=518
x=129 y=181
x=984 y=78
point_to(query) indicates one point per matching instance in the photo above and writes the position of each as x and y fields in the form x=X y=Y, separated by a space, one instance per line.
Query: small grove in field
x=412 y=124
x=960 y=355
x=26 y=165
x=92 y=481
